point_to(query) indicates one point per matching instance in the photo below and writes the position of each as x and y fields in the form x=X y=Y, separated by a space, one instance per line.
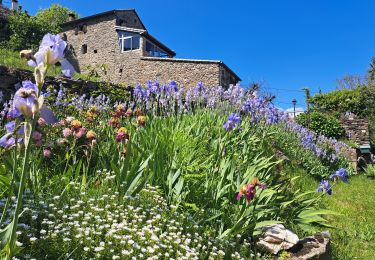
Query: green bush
x=359 y=101
x=25 y=31
x=321 y=124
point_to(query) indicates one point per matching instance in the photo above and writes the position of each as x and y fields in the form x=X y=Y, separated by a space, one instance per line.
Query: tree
x=371 y=72
x=27 y=31
x=349 y=82
x=53 y=17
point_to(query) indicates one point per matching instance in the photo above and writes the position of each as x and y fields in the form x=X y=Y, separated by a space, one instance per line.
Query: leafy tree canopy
x=27 y=31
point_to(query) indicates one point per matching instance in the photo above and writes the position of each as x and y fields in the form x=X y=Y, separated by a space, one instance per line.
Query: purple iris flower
x=229 y=125
x=340 y=174
x=324 y=186
x=8 y=139
x=173 y=85
x=55 y=45
x=199 y=88
x=235 y=118
x=24 y=98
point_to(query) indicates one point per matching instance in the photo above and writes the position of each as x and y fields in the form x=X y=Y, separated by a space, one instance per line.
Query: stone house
x=119 y=39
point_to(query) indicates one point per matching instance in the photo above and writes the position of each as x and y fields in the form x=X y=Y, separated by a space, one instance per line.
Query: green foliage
x=27 y=31
x=53 y=17
x=360 y=101
x=342 y=101
x=11 y=59
x=320 y=123
x=288 y=144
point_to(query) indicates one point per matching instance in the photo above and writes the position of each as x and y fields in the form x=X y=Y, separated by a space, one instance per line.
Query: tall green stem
x=21 y=188
x=11 y=185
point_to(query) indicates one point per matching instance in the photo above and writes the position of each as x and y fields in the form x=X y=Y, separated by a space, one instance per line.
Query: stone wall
x=100 y=38
x=9 y=77
x=357 y=129
x=187 y=73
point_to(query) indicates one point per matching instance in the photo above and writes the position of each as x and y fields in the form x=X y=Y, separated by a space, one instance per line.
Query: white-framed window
x=128 y=41
x=154 y=51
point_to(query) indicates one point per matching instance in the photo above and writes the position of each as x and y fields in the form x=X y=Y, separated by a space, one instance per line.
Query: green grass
x=11 y=59
x=353 y=232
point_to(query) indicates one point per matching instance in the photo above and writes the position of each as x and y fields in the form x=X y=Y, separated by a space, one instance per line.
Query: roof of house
x=87 y=18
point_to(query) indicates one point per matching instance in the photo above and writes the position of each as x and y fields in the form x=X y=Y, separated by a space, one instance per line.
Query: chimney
x=14 y=5
x=72 y=17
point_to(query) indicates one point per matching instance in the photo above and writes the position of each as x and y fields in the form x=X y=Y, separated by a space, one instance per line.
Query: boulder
x=313 y=247
x=276 y=238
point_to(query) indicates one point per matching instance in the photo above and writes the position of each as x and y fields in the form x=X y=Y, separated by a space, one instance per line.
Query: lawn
x=354 y=233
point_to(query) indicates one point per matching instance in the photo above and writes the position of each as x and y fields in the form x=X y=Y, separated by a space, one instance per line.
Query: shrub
x=323 y=124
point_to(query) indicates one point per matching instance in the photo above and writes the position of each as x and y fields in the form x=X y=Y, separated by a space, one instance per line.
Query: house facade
x=119 y=39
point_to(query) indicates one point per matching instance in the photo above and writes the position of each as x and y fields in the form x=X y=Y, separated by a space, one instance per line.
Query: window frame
x=156 y=49
x=133 y=37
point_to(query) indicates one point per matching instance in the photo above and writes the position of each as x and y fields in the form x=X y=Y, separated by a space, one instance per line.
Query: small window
x=83 y=28
x=129 y=41
x=135 y=21
x=120 y=71
x=95 y=51
x=84 y=49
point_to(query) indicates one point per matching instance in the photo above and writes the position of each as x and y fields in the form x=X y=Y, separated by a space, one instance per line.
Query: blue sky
x=286 y=45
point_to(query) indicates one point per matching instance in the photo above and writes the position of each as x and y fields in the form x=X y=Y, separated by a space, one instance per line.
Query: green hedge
x=322 y=124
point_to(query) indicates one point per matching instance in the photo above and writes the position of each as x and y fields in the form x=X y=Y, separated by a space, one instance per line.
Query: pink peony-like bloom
x=80 y=132
x=67 y=132
x=47 y=152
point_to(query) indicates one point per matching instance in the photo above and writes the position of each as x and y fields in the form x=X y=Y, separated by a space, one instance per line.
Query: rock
x=276 y=238
x=313 y=247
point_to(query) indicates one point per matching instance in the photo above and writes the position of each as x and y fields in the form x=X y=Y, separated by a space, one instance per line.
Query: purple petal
x=31 y=63
x=67 y=68
x=48 y=115
x=7 y=141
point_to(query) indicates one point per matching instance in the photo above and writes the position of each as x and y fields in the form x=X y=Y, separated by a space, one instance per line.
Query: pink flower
x=41 y=122
x=47 y=153
x=80 y=132
x=37 y=136
x=67 y=132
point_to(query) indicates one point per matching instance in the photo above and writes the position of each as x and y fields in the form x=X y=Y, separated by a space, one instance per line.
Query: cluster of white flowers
x=110 y=226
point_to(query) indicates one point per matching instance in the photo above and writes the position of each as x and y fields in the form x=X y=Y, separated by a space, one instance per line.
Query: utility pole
x=307 y=97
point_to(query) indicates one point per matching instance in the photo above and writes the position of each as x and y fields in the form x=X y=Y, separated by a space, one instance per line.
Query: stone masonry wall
x=98 y=37
x=183 y=72
x=357 y=129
